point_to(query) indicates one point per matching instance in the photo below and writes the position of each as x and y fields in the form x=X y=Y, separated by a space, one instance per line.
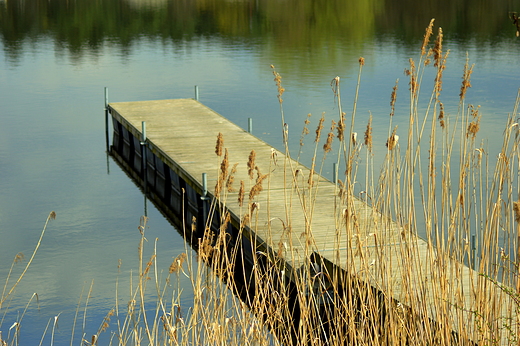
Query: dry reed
x=380 y=283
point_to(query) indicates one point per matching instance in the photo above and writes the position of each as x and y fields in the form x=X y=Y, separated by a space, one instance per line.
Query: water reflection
x=302 y=26
x=60 y=54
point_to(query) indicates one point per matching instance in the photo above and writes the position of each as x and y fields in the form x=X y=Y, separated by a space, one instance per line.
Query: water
x=58 y=57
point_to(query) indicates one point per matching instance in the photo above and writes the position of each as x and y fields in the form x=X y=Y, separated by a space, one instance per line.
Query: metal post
x=250 y=125
x=143 y=154
x=106 y=120
x=196 y=92
x=143 y=128
x=204 y=185
x=335 y=173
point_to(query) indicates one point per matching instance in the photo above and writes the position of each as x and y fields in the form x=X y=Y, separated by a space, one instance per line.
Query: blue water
x=52 y=141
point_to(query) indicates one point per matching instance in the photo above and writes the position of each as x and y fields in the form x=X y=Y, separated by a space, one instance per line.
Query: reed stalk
x=429 y=256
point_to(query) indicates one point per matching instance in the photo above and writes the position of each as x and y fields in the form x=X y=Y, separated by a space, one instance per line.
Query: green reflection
x=299 y=32
x=481 y=19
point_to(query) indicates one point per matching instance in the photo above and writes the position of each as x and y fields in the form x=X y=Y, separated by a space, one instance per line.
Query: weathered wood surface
x=183 y=133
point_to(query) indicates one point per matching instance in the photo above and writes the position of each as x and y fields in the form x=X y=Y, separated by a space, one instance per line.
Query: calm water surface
x=57 y=58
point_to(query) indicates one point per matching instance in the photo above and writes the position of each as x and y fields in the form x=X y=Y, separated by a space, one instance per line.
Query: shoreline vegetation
x=83 y=28
x=435 y=180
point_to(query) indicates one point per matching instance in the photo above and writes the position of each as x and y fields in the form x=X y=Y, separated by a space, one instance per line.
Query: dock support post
x=196 y=92
x=250 y=125
x=143 y=153
x=335 y=173
x=106 y=120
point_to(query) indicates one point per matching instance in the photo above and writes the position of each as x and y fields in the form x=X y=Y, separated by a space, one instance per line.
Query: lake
x=57 y=57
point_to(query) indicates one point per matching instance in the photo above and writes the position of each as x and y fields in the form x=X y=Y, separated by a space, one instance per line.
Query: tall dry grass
x=381 y=282
x=378 y=282
x=9 y=288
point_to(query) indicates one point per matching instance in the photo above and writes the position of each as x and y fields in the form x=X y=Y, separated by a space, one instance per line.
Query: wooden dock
x=290 y=219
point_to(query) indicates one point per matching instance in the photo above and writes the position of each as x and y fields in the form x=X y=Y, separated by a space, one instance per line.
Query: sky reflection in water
x=52 y=145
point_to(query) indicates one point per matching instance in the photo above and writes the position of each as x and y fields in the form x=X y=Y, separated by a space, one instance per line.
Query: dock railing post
x=196 y=92
x=335 y=173
x=204 y=185
x=143 y=153
x=250 y=125
x=106 y=120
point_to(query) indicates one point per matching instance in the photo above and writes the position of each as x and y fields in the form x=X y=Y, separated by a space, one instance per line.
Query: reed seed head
x=177 y=263
x=516 y=209
x=19 y=257
x=251 y=164
x=224 y=165
x=341 y=127
x=305 y=130
x=319 y=128
x=392 y=140
x=368 y=134
x=427 y=35
x=223 y=174
x=440 y=62
x=193 y=224
x=428 y=59
x=258 y=173
x=466 y=84
x=245 y=220
x=254 y=206
x=475 y=111
x=278 y=81
x=393 y=98
x=149 y=265
x=220 y=144
x=205 y=247
x=231 y=178
x=327 y=147
x=437 y=49
x=281 y=248
x=310 y=180
x=473 y=128
x=361 y=61
x=441 y=116
x=225 y=222
x=411 y=72
x=257 y=188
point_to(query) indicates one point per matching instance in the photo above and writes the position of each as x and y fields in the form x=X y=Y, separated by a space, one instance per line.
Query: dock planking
x=298 y=222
